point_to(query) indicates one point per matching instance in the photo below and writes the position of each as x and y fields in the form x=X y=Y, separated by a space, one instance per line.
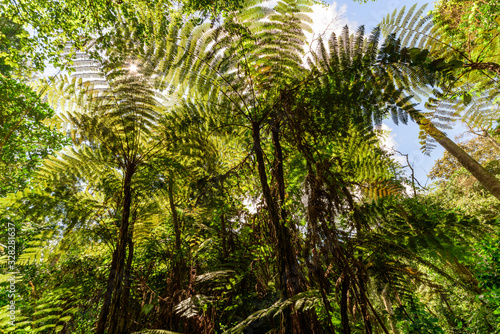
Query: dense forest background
x=200 y=167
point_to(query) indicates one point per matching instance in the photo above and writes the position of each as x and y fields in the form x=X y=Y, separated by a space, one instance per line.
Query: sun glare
x=133 y=68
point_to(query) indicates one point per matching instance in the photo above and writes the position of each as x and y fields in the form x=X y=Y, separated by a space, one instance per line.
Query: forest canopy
x=203 y=167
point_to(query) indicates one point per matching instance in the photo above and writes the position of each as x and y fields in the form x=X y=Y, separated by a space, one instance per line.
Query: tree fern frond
x=304 y=300
x=414 y=29
x=189 y=307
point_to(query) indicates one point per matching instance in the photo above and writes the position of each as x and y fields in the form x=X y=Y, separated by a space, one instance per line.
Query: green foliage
x=469 y=25
x=11 y=39
x=218 y=184
x=421 y=321
x=458 y=189
x=487 y=268
x=27 y=134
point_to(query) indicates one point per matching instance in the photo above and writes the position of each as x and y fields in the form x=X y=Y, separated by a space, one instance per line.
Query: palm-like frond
x=468 y=96
x=302 y=301
x=415 y=30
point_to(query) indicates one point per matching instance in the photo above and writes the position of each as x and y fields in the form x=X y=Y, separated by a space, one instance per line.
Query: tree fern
x=164 y=159
x=420 y=32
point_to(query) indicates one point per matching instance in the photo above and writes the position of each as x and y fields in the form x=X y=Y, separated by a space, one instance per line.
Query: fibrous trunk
x=290 y=279
x=487 y=180
x=114 y=287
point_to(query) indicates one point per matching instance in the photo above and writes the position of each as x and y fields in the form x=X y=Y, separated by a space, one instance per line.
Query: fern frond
x=189 y=308
x=303 y=300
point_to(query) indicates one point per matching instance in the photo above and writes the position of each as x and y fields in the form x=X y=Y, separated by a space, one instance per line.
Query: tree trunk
x=282 y=237
x=388 y=307
x=344 y=316
x=271 y=208
x=494 y=67
x=278 y=167
x=223 y=224
x=490 y=182
x=179 y=267
x=103 y=316
x=113 y=292
x=175 y=218
x=306 y=321
x=123 y=314
x=357 y=285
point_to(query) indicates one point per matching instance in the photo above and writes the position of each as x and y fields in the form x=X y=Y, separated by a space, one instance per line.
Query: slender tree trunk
x=344 y=316
x=362 y=301
x=179 y=266
x=490 y=182
x=271 y=207
x=306 y=321
x=316 y=269
x=388 y=308
x=175 y=218
x=286 y=240
x=223 y=232
x=113 y=292
x=494 y=67
x=123 y=316
x=223 y=224
x=103 y=316
x=278 y=166
x=282 y=238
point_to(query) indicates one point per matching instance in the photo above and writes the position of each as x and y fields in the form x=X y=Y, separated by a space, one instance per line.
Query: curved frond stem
x=247 y=70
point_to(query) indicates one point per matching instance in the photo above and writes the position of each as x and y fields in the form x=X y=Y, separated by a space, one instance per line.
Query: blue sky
x=404 y=138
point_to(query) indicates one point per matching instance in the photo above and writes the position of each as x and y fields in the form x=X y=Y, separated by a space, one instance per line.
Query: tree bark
x=494 y=67
x=123 y=314
x=223 y=224
x=490 y=182
x=306 y=323
x=344 y=316
x=388 y=307
x=282 y=237
x=278 y=167
x=103 y=316
x=175 y=218
x=179 y=267
x=113 y=292
x=359 y=291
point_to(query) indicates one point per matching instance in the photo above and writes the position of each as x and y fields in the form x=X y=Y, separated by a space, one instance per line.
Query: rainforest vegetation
x=201 y=167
